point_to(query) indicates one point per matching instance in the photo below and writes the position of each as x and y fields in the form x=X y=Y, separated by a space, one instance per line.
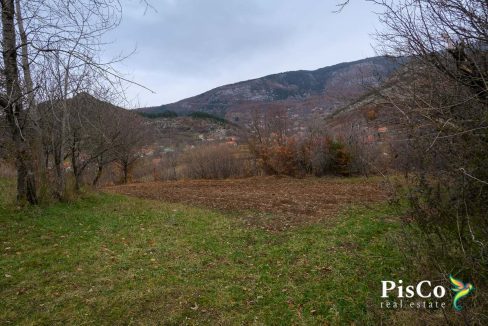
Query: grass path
x=110 y=259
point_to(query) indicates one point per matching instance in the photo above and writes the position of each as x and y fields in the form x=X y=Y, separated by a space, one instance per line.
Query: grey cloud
x=205 y=43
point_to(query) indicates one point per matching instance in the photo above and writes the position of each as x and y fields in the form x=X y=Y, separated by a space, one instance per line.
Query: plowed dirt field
x=273 y=203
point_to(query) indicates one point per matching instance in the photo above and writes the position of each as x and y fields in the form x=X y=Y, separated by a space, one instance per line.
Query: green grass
x=108 y=259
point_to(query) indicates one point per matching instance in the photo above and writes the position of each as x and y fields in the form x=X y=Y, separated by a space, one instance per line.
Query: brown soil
x=269 y=202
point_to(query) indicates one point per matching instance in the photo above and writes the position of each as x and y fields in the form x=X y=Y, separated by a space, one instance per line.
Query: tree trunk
x=46 y=160
x=59 y=155
x=99 y=174
x=74 y=166
x=25 y=56
x=126 y=172
x=60 y=175
x=26 y=181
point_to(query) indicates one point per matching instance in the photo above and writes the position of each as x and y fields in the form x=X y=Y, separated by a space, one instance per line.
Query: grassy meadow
x=110 y=259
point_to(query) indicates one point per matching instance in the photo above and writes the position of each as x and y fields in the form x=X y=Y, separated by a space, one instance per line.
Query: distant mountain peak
x=329 y=87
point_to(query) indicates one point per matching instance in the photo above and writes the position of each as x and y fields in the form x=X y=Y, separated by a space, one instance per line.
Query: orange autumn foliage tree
x=300 y=155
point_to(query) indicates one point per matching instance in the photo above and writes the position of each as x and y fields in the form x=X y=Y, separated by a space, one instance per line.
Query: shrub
x=298 y=156
x=162 y=114
x=214 y=162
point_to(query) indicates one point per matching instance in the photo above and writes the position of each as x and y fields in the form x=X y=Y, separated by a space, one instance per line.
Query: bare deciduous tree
x=13 y=105
x=56 y=44
x=133 y=134
x=443 y=100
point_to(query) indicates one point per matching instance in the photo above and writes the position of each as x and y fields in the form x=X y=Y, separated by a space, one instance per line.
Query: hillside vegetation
x=328 y=87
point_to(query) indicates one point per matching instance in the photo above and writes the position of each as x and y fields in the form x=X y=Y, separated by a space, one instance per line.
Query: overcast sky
x=187 y=47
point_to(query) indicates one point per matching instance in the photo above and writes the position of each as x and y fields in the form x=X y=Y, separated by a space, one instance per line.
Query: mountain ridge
x=330 y=86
